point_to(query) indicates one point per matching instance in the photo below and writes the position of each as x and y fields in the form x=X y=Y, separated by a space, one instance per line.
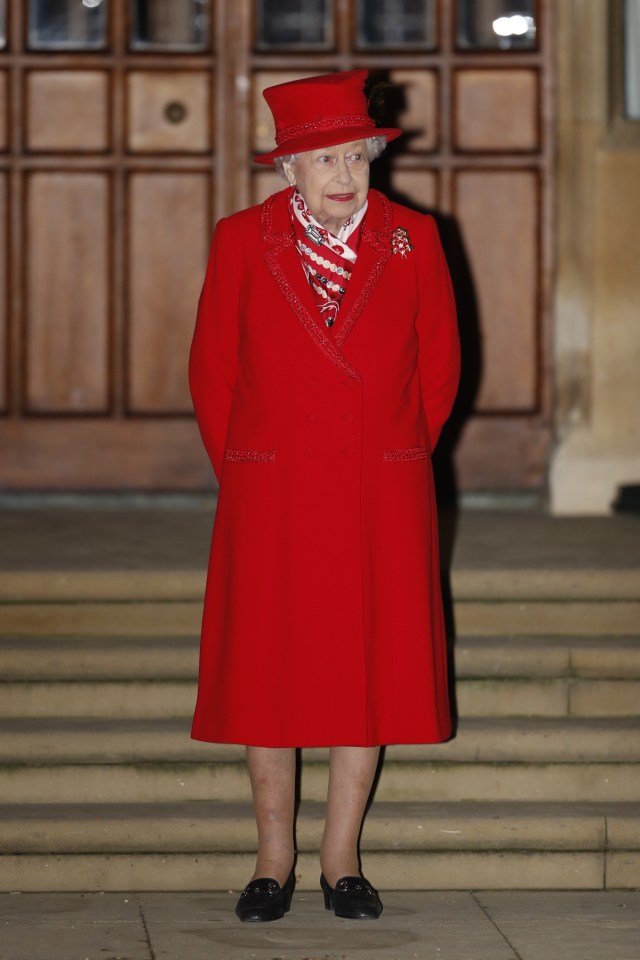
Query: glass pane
x=169 y=24
x=295 y=23
x=3 y=24
x=632 y=59
x=67 y=24
x=497 y=24
x=396 y=23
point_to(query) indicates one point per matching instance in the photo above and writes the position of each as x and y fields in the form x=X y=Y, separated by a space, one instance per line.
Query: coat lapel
x=289 y=260
x=373 y=255
x=282 y=259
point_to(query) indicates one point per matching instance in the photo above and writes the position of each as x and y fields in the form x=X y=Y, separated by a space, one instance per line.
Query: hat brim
x=314 y=141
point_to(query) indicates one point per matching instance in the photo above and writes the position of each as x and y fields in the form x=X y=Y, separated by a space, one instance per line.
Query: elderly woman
x=324 y=363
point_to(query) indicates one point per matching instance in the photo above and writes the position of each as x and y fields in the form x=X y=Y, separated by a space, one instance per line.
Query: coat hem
x=311 y=743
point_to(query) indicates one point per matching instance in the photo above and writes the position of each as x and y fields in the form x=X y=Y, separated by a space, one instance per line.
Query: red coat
x=323 y=614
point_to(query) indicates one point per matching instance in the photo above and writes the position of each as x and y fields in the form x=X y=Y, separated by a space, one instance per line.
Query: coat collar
x=283 y=261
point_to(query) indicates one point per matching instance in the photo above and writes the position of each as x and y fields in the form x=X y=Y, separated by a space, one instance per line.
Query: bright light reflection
x=515 y=25
x=91 y=3
x=519 y=25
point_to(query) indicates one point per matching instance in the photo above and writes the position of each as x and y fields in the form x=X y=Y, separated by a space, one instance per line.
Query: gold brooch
x=400 y=242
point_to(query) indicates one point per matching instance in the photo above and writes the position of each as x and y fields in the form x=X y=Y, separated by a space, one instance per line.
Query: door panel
x=292 y=25
x=165 y=261
x=486 y=25
x=160 y=453
x=4 y=112
x=4 y=313
x=67 y=110
x=418 y=186
x=419 y=111
x=402 y=23
x=511 y=448
x=496 y=110
x=168 y=112
x=64 y=24
x=68 y=283
x=264 y=184
x=169 y=25
x=498 y=214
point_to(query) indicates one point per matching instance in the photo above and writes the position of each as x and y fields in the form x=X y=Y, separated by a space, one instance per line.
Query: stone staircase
x=102 y=788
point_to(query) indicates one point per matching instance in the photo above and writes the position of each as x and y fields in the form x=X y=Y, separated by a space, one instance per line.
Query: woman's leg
x=272 y=771
x=351 y=773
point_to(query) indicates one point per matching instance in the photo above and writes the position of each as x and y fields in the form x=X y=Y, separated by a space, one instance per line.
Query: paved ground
x=413 y=926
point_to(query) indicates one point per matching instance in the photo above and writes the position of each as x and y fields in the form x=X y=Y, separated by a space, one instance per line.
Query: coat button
x=346 y=416
x=348 y=382
x=312 y=382
x=348 y=451
x=309 y=451
x=312 y=417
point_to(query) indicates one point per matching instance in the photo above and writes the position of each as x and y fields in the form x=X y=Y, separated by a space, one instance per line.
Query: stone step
x=523 y=618
x=146 y=782
x=387 y=870
x=544 y=582
x=80 y=740
x=176 y=657
x=405 y=845
x=148 y=699
x=603 y=657
x=230 y=827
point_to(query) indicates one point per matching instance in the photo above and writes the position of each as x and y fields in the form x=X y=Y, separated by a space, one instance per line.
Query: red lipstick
x=341 y=197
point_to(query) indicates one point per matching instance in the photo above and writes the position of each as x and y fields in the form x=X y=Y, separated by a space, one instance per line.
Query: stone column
x=597 y=303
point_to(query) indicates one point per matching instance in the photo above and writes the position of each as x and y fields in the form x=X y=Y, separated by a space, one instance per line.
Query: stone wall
x=597 y=306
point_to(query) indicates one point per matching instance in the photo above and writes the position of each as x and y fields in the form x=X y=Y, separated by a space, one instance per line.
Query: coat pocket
x=399 y=454
x=249 y=456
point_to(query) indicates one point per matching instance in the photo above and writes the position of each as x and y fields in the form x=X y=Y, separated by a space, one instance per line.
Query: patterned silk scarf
x=327 y=259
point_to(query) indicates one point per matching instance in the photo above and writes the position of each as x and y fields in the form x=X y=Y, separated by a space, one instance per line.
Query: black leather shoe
x=352 y=897
x=264 y=899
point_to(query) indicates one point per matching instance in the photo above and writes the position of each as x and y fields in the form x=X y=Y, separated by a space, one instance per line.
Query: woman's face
x=334 y=181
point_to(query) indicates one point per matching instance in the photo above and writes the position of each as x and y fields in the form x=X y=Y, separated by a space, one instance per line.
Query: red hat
x=321 y=112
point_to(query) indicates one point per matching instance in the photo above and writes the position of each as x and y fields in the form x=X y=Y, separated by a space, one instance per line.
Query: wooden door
x=127 y=127
x=109 y=185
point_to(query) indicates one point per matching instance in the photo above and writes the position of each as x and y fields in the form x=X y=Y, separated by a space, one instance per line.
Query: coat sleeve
x=213 y=357
x=439 y=344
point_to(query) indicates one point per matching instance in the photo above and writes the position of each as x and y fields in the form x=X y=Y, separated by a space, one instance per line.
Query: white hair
x=374 y=146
